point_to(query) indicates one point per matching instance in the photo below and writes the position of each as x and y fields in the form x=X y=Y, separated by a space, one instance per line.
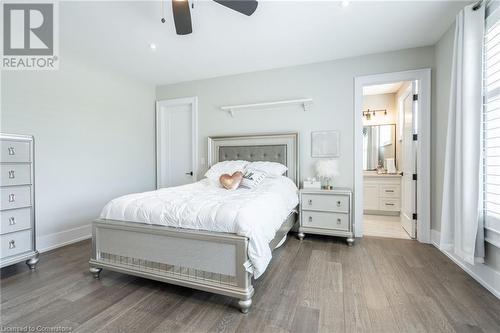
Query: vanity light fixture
x=372 y=113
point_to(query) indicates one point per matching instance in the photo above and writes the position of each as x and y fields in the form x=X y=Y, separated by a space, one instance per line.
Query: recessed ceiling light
x=345 y=3
x=152 y=46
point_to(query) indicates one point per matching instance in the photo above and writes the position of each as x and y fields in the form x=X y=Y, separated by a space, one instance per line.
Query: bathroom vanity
x=382 y=193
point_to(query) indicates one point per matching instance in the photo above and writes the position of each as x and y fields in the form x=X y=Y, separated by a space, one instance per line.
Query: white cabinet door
x=371 y=198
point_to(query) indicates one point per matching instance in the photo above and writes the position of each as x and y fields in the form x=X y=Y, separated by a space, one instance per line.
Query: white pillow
x=272 y=169
x=228 y=167
x=252 y=178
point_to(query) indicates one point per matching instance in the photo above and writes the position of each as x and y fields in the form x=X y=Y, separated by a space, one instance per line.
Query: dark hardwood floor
x=319 y=284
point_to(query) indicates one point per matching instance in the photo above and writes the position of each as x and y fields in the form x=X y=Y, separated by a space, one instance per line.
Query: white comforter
x=255 y=213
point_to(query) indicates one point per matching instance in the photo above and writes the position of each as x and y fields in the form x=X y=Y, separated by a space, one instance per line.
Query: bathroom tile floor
x=383 y=226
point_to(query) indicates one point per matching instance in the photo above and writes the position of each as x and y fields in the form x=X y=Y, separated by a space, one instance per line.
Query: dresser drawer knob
x=12 y=220
x=12 y=174
x=12 y=244
x=12 y=151
x=339 y=221
x=12 y=197
x=310 y=218
x=310 y=202
x=339 y=203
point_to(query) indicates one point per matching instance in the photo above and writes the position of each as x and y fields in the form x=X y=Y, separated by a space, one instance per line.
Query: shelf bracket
x=306 y=106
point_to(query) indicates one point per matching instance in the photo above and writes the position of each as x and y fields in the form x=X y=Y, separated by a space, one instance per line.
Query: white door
x=176 y=141
x=408 y=163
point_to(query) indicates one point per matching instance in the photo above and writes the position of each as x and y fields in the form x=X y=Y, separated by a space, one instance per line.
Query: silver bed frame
x=209 y=261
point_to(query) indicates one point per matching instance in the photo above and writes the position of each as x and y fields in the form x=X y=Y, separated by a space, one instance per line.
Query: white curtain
x=461 y=217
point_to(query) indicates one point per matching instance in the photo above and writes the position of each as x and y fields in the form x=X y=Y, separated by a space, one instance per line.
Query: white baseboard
x=58 y=239
x=485 y=275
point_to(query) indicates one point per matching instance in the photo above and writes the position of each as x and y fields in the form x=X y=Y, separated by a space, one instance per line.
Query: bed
x=212 y=261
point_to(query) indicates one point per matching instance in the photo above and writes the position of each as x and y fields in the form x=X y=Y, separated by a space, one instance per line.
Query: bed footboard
x=209 y=261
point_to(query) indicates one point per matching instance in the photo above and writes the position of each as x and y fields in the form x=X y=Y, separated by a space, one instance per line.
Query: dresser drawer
x=15 y=174
x=325 y=220
x=15 y=243
x=389 y=191
x=389 y=204
x=15 y=197
x=337 y=203
x=15 y=151
x=15 y=220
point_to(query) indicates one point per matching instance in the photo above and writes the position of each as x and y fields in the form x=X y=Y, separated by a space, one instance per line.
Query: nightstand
x=326 y=212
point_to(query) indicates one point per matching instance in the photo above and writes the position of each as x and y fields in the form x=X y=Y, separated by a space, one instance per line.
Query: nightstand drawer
x=15 y=243
x=389 y=191
x=389 y=204
x=330 y=202
x=325 y=220
x=15 y=220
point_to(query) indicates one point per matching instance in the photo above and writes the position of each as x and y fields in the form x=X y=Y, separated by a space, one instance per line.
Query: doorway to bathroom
x=392 y=155
x=389 y=159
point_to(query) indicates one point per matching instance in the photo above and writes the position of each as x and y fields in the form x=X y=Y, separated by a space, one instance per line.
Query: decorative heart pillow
x=231 y=182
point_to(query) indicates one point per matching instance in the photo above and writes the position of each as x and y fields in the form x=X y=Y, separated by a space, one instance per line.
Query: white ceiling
x=387 y=88
x=279 y=34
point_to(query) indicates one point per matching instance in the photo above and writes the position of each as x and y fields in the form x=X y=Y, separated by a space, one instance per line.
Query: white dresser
x=326 y=212
x=17 y=228
x=382 y=194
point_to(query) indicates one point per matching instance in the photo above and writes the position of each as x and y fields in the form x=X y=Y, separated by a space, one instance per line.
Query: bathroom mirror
x=379 y=144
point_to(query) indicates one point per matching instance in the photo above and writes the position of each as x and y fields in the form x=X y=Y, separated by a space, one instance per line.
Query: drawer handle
x=12 y=197
x=339 y=203
x=12 y=244
x=339 y=221
x=12 y=174
x=310 y=202
x=389 y=191
x=389 y=204
x=12 y=151
x=12 y=220
x=310 y=218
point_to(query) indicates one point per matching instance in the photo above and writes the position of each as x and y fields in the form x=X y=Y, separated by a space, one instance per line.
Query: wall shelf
x=304 y=102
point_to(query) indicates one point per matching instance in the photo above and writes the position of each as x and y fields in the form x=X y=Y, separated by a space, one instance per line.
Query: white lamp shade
x=327 y=168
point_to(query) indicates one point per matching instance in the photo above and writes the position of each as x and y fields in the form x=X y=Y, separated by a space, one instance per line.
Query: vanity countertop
x=380 y=175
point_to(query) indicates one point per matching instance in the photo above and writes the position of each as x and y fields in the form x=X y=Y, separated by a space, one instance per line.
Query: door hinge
x=414 y=177
x=415 y=97
x=415 y=137
x=414 y=216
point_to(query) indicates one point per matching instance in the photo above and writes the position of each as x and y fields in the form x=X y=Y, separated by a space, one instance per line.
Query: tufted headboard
x=281 y=148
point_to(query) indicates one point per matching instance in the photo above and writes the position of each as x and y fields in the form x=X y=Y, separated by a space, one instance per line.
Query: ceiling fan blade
x=182 y=17
x=246 y=7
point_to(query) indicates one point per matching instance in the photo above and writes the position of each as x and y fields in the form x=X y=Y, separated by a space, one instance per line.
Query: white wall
x=94 y=132
x=329 y=84
x=439 y=120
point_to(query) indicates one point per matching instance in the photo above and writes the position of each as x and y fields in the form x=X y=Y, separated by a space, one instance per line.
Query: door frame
x=193 y=101
x=423 y=147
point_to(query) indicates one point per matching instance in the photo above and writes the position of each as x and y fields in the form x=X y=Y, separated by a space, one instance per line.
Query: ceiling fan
x=182 y=14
